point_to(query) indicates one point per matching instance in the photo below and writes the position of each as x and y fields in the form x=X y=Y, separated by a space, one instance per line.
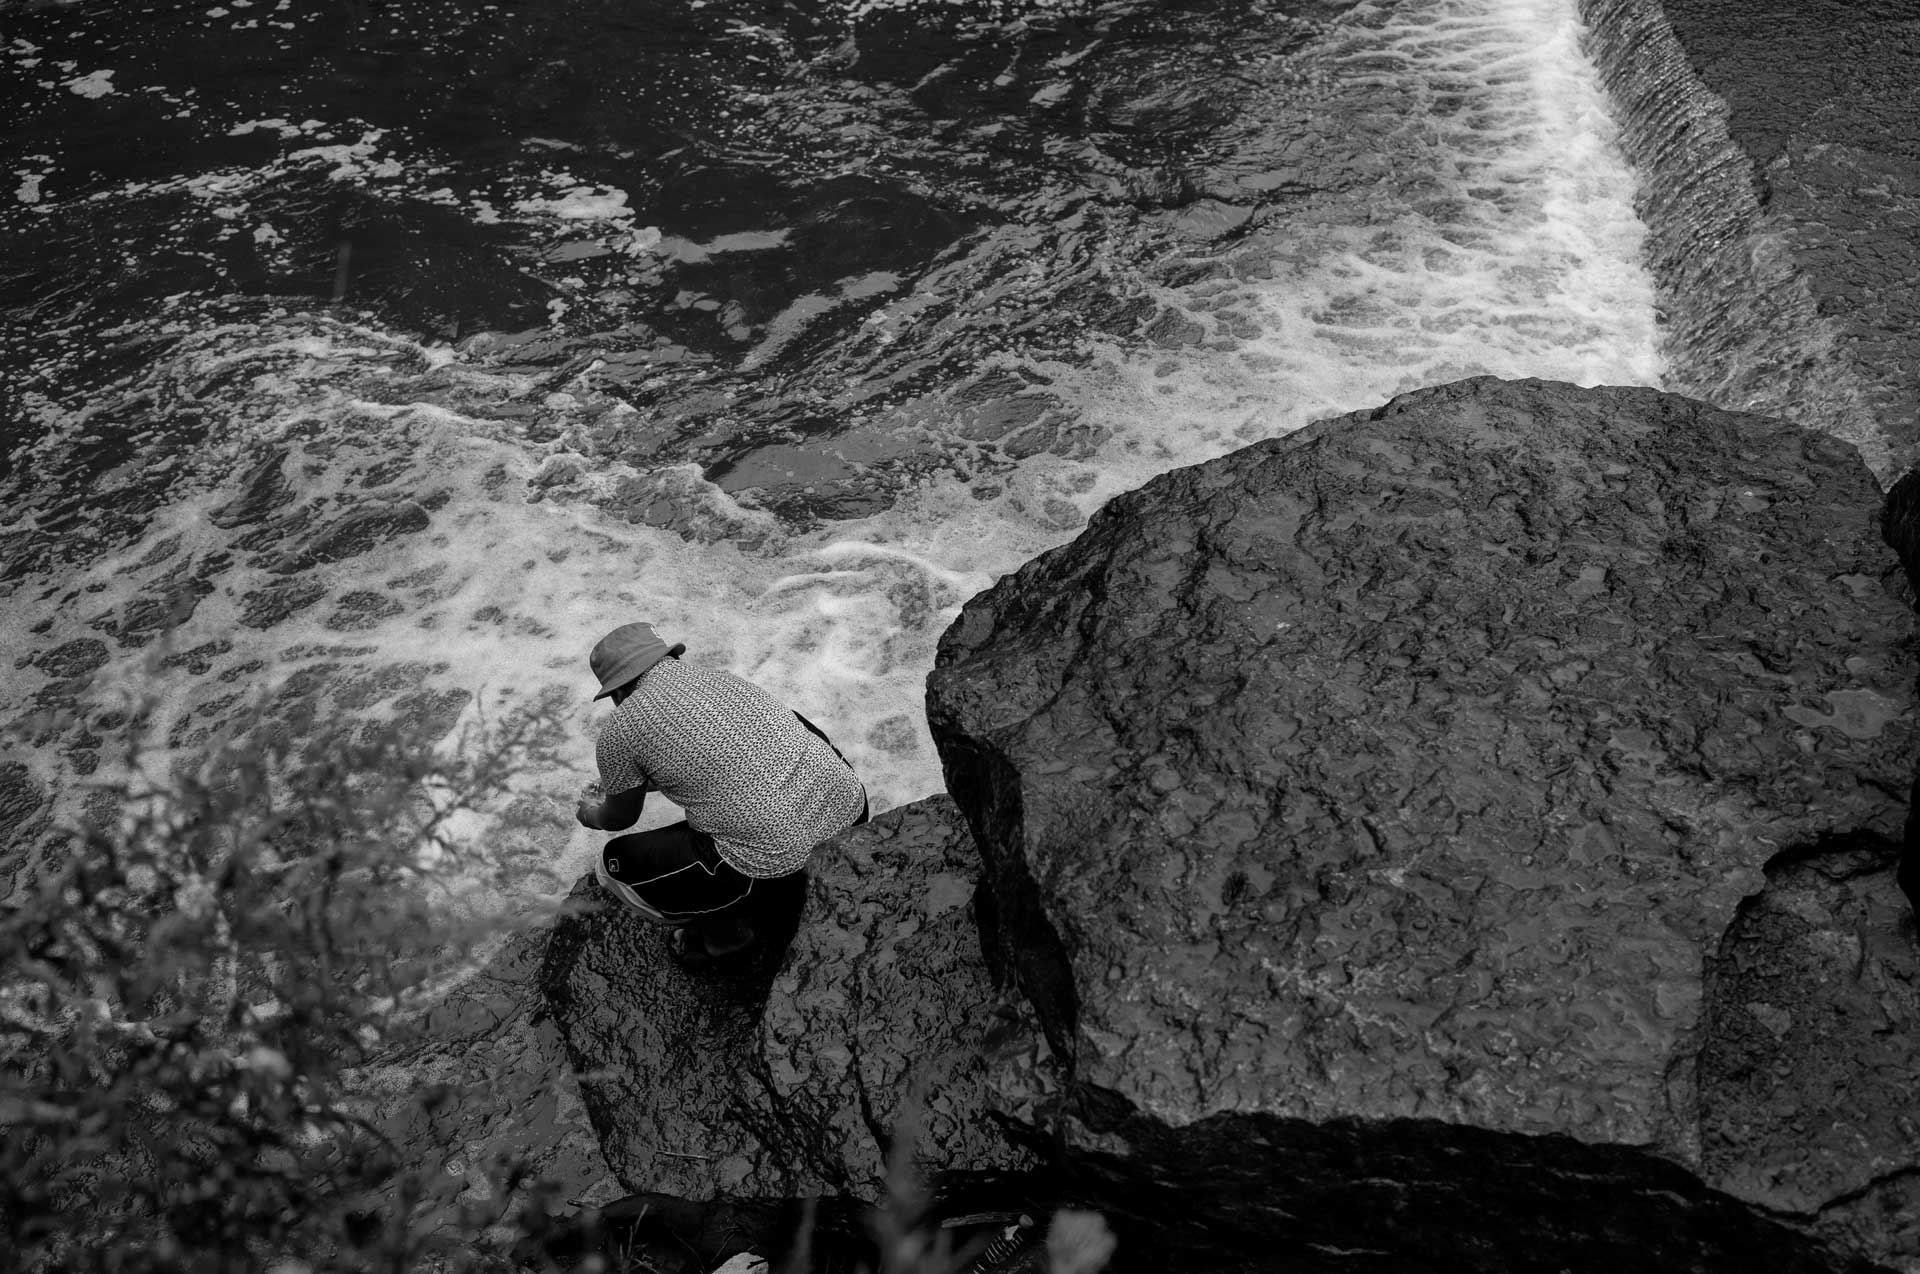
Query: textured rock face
x=1781 y=195
x=1812 y=1055
x=790 y=1079
x=1406 y=775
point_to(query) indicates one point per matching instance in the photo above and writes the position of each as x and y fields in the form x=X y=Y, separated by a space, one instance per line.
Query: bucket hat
x=625 y=653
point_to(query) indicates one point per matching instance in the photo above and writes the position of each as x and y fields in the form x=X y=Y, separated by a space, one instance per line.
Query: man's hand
x=617 y=813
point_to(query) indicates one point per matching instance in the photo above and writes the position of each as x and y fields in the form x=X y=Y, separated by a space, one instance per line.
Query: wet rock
x=789 y=1076
x=1362 y=811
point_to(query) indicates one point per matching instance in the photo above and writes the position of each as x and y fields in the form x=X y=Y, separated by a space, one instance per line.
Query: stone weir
x=1779 y=150
x=1455 y=837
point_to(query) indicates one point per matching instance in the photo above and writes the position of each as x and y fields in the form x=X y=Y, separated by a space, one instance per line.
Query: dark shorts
x=677 y=873
x=678 y=877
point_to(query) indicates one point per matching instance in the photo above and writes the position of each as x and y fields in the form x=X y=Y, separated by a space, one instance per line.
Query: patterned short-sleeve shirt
x=736 y=759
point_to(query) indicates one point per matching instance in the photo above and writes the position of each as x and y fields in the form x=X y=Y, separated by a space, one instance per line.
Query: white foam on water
x=1499 y=239
x=1510 y=248
x=501 y=595
x=96 y=84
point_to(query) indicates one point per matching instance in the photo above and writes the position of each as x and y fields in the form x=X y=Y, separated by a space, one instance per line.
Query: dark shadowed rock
x=1807 y=1078
x=1363 y=813
x=790 y=1076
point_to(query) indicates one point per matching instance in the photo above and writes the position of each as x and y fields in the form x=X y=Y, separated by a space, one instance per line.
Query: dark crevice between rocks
x=821 y=1234
x=1020 y=943
x=1837 y=856
x=796 y=1134
x=1872 y=1187
x=1415 y=1195
x=666 y=1234
x=877 y=1128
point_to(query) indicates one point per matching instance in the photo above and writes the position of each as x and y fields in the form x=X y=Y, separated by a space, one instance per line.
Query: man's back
x=739 y=762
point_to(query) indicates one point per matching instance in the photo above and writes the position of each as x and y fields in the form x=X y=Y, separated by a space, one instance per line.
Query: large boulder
x=1368 y=817
x=793 y=1076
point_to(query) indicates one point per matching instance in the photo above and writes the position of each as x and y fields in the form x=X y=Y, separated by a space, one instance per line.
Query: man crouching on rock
x=761 y=786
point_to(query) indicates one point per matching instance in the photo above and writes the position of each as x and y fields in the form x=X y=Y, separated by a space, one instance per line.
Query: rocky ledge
x=1459 y=836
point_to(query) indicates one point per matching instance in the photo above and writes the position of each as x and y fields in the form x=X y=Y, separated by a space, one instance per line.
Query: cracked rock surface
x=790 y=1076
x=1382 y=796
x=1807 y=1077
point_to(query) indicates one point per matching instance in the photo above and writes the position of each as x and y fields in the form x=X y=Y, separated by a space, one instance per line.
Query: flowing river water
x=390 y=353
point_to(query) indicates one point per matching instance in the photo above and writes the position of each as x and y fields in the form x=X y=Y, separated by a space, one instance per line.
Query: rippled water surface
x=390 y=353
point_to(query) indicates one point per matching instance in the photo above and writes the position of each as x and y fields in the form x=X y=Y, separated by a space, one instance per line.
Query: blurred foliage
x=193 y=974
x=202 y=970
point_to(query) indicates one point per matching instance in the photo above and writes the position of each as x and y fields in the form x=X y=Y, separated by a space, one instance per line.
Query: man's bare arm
x=617 y=813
